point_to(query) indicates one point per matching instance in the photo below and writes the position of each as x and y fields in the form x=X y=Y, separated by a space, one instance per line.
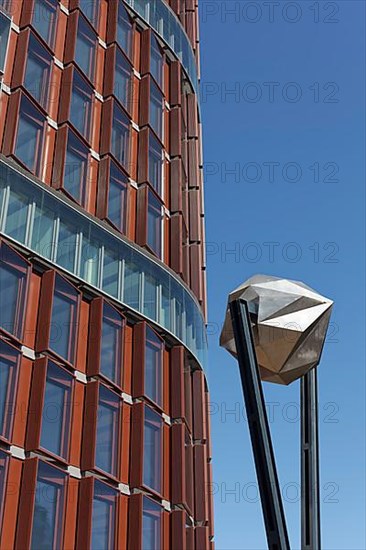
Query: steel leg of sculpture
x=310 y=490
x=271 y=499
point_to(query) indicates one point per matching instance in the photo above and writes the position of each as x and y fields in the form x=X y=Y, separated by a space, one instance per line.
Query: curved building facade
x=104 y=408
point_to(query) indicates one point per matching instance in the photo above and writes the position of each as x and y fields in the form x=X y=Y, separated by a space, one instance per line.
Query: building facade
x=104 y=410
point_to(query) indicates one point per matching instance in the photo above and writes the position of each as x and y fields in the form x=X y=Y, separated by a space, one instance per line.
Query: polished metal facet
x=289 y=323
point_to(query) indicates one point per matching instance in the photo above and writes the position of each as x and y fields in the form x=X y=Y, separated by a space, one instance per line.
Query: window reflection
x=103 y=516
x=152 y=450
x=9 y=358
x=153 y=366
x=48 y=508
x=107 y=431
x=56 y=411
x=64 y=319
x=151 y=525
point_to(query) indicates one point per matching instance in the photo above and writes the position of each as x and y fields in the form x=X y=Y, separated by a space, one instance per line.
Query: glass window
x=156 y=109
x=28 y=146
x=17 y=215
x=153 y=366
x=103 y=516
x=110 y=272
x=43 y=228
x=37 y=71
x=90 y=9
x=151 y=525
x=156 y=62
x=117 y=198
x=124 y=30
x=131 y=295
x=85 y=48
x=81 y=105
x=76 y=168
x=120 y=136
x=64 y=319
x=154 y=224
x=107 y=431
x=45 y=19
x=152 y=450
x=56 y=414
x=155 y=163
x=48 y=508
x=9 y=358
x=13 y=288
x=111 y=345
x=90 y=257
x=67 y=242
x=122 y=79
x=4 y=38
x=151 y=287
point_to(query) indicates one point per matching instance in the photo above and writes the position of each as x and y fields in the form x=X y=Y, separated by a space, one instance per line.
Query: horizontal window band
x=50 y=226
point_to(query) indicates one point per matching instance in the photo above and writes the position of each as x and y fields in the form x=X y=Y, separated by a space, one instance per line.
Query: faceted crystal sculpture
x=289 y=323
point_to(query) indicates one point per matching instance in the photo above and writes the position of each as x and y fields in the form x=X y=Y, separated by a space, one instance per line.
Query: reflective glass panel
x=37 y=71
x=152 y=450
x=9 y=357
x=56 y=411
x=81 y=105
x=151 y=525
x=103 y=516
x=111 y=345
x=85 y=48
x=153 y=366
x=48 y=508
x=29 y=136
x=44 y=19
x=107 y=431
x=64 y=319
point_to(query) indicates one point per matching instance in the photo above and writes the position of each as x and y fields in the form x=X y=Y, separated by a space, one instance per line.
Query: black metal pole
x=274 y=517
x=310 y=489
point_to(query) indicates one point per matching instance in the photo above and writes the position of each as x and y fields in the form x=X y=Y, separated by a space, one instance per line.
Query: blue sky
x=285 y=193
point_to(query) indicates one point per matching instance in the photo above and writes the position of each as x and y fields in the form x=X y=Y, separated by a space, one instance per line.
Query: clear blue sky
x=299 y=146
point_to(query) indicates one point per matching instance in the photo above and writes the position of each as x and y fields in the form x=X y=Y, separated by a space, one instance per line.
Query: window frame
x=4 y=52
x=96 y=316
x=86 y=132
x=145 y=192
x=45 y=57
x=137 y=462
x=114 y=15
x=48 y=289
x=85 y=510
x=27 y=501
x=106 y=165
x=140 y=340
x=10 y=257
x=35 y=421
x=11 y=133
x=14 y=358
x=65 y=135
x=4 y=468
x=75 y=21
x=27 y=18
x=89 y=445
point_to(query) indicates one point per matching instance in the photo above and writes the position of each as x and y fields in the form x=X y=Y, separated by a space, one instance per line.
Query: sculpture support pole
x=271 y=500
x=310 y=489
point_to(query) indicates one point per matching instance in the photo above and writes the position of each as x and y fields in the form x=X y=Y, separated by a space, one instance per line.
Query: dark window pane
x=64 y=319
x=153 y=366
x=81 y=105
x=120 y=136
x=37 y=72
x=66 y=245
x=155 y=163
x=104 y=516
x=107 y=431
x=44 y=19
x=117 y=198
x=156 y=62
x=48 y=509
x=4 y=38
x=13 y=285
x=9 y=358
x=56 y=411
x=124 y=30
x=122 y=79
x=85 y=48
x=111 y=345
x=76 y=168
x=90 y=9
x=154 y=223
x=4 y=461
x=151 y=525
x=29 y=138
x=152 y=450
x=156 y=109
